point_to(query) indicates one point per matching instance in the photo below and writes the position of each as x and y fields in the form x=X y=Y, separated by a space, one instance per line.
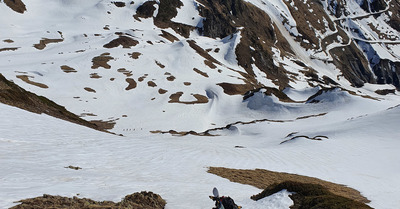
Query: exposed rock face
x=354 y=66
x=225 y=17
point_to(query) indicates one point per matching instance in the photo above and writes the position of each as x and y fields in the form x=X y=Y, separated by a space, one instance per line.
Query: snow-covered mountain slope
x=189 y=61
x=264 y=75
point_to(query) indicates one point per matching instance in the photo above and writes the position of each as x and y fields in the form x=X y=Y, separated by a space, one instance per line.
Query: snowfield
x=361 y=152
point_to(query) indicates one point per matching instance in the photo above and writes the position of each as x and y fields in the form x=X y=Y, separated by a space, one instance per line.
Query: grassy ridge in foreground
x=311 y=196
x=308 y=188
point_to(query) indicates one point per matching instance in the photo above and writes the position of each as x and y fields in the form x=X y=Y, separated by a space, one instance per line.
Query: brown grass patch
x=90 y=90
x=8 y=41
x=125 y=72
x=200 y=99
x=101 y=61
x=202 y=52
x=210 y=64
x=151 y=84
x=168 y=36
x=119 y=3
x=135 y=55
x=9 y=49
x=43 y=43
x=234 y=89
x=16 y=5
x=145 y=10
x=124 y=41
x=134 y=201
x=261 y=178
x=95 y=76
x=140 y=79
x=159 y=64
x=132 y=84
x=104 y=125
x=68 y=69
x=200 y=72
x=171 y=78
x=162 y=91
x=25 y=78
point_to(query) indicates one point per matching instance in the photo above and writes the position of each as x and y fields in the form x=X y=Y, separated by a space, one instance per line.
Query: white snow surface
x=363 y=136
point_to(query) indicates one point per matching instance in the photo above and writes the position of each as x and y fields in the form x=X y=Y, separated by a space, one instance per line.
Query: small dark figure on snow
x=223 y=202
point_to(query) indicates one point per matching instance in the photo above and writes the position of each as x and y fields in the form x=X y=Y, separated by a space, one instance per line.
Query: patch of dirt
x=95 y=76
x=200 y=99
x=202 y=52
x=146 y=10
x=68 y=69
x=162 y=91
x=73 y=167
x=168 y=36
x=125 y=72
x=171 y=78
x=264 y=178
x=210 y=64
x=16 y=5
x=104 y=125
x=269 y=91
x=140 y=79
x=25 y=78
x=101 y=61
x=124 y=41
x=385 y=91
x=9 y=49
x=159 y=64
x=187 y=83
x=132 y=84
x=140 y=200
x=166 y=11
x=135 y=55
x=12 y=94
x=43 y=43
x=236 y=89
x=8 y=41
x=90 y=90
x=200 y=72
x=119 y=3
x=151 y=84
